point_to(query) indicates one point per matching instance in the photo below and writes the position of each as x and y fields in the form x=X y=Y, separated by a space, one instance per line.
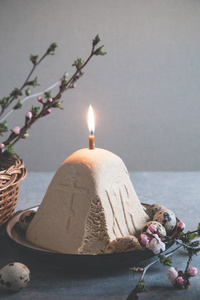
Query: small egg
x=26 y=218
x=153 y=209
x=167 y=218
x=161 y=228
x=14 y=276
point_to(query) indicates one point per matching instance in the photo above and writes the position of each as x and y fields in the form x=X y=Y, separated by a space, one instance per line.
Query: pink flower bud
x=2 y=148
x=180 y=227
x=40 y=99
x=73 y=85
x=145 y=239
x=138 y=269
x=16 y=130
x=193 y=271
x=48 y=111
x=50 y=100
x=172 y=274
x=152 y=229
x=180 y=281
x=29 y=115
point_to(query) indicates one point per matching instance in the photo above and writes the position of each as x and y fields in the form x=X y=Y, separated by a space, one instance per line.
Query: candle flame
x=91 y=125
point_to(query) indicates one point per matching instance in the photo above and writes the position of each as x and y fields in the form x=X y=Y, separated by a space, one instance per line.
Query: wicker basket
x=10 y=180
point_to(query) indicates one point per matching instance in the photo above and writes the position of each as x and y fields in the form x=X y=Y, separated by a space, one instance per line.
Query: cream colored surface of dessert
x=89 y=202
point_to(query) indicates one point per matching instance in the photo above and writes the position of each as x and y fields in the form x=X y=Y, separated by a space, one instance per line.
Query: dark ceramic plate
x=77 y=261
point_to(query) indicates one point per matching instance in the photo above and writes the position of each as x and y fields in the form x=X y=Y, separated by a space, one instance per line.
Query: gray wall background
x=145 y=92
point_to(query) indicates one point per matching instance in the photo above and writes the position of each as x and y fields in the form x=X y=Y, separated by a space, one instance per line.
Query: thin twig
x=133 y=292
x=187 y=246
x=188 y=262
x=24 y=84
x=29 y=97
x=47 y=106
x=167 y=255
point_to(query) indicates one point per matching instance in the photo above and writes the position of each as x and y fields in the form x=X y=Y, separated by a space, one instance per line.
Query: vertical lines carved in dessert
x=126 y=189
x=113 y=228
x=114 y=217
x=132 y=221
x=71 y=213
x=124 y=212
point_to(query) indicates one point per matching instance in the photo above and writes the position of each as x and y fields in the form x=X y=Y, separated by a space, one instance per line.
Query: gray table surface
x=179 y=192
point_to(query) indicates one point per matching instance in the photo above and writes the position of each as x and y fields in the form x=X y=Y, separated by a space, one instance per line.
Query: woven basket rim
x=13 y=174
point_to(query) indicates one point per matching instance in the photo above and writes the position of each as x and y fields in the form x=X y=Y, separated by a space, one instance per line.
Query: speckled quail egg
x=161 y=228
x=153 y=209
x=14 y=276
x=26 y=218
x=167 y=218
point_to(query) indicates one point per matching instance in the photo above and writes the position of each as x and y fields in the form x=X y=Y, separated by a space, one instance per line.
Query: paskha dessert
x=89 y=203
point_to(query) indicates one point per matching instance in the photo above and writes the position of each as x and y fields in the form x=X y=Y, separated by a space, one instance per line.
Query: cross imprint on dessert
x=72 y=189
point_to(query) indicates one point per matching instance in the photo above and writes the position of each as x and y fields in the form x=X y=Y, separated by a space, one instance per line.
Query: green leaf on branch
x=57 y=104
x=18 y=105
x=65 y=75
x=3 y=127
x=136 y=270
x=140 y=288
x=48 y=95
x=63 y=84
x=187 y=237
x=34 y=58
x=52 y=48
x=15 y=93
x=100 y=51
x=9 y=149
x=96 y=40
x=33 y=83
x=35 y=110
x=165 y=261
x=78 y=63
x=28 y=91
x=26 y=135
x=192 y=236
x=133 y=270
x=4 y=101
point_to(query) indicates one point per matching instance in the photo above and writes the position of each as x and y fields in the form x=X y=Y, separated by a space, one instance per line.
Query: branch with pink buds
x=154 y=241
x=47 y=102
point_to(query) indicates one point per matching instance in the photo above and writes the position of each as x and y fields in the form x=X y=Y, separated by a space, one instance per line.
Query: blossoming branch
x=153 y=240
x=47 y=102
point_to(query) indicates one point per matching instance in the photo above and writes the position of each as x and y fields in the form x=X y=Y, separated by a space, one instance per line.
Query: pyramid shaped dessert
x=89 y=203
